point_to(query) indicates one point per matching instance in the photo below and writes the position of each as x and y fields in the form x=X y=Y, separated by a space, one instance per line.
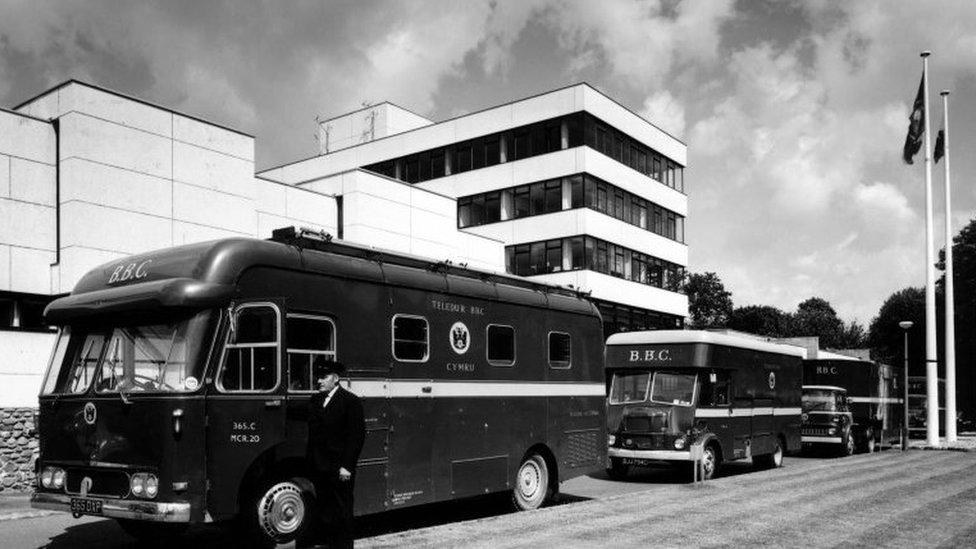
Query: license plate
x=86 y=506
x=636 y=462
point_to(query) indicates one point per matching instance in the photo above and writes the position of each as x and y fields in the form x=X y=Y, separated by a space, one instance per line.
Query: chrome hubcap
x=282 y=509
x=708 y=463
x=530 y=478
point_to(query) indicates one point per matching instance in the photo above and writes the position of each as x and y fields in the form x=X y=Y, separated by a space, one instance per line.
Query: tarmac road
x=918 y=498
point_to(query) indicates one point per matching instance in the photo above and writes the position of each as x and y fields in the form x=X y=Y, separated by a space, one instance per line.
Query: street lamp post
x=905 y=325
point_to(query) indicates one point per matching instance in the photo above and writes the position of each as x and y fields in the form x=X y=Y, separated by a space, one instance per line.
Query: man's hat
x=322 y=367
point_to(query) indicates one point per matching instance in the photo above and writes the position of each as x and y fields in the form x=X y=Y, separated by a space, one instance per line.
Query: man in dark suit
x=336 y=432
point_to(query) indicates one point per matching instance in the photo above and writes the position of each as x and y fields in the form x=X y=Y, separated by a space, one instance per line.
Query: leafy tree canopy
x=709 y=303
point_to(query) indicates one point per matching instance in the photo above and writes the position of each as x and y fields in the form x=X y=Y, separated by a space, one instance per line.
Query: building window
x=522 y=204
x=500 y=345
x=493 y=152
x=410 y=338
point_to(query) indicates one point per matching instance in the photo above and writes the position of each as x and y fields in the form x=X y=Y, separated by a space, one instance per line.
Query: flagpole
x=950 y=306
x=931 y=352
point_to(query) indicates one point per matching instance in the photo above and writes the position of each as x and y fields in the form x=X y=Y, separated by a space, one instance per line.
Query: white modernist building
x=582 y=191
x=567 y=187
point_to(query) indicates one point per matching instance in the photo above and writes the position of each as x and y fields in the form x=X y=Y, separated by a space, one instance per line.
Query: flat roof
x=825 y=388
x=130 y=98
x=663 y=337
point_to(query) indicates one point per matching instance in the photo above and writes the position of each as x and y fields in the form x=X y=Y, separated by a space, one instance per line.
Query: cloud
x=666 y=111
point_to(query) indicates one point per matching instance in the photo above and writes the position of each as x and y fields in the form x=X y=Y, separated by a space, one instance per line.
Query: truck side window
x=500 y=345
x=250 y=362
x=411 y=340
x=560 y=350
x=721 y=390
x=308 y=338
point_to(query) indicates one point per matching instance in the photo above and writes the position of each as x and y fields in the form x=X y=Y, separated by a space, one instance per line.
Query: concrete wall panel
x=206 y=168
x=109 y=143
x=100 y=227
x=4 y=176
x=215 y=209
x=27 y=225
x=4 y=268
x=109 y=106
x=76 y=261
x=32 y=181
x=26 y=138
x=271 y=197
x=188 y=233
x=310 y=206
x=23 y=360
x=30 y=270
x=211 y=137
x=86 y=181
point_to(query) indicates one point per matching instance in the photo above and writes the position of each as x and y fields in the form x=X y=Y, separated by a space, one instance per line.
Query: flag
x=916 y=125
x=939 y=146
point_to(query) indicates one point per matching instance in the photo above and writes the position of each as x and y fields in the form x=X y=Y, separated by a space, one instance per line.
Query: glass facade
x=585 y=252
x=552 y=135
x=566 y=193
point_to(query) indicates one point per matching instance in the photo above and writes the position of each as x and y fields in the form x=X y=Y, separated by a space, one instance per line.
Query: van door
x=245 y=407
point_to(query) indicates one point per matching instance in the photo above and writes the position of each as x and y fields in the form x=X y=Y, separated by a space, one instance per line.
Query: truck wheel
x=774 y=459
x=617 y=470
x=279 y=513
x=847 y=444
x=154 y=534
x=709 y=462
x=531 y=483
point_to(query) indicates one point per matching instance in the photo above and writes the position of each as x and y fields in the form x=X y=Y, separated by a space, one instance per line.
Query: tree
x=763 y=320
x=852 y=336
x=709 y=303
x=816 y=317
x=886 y=338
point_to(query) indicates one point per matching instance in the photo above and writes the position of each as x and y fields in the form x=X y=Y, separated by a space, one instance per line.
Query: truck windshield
x=821 y=400
x=128 y=359
x=673 y=388
x=629 y=387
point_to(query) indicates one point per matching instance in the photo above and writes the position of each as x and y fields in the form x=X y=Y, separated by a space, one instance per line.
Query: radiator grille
x=582 y=447
x=104 y=482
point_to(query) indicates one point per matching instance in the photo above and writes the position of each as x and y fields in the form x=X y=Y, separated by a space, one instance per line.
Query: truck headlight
x=611 y=439
x=144 y=485
x=52 y=478
x=679 y=443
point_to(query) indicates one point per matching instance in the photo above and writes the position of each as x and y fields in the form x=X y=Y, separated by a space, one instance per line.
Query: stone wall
x=18 y=449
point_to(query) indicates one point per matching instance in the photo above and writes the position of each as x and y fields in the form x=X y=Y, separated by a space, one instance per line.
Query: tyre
x=154 y=534
x=847 y=444
x=709 y=464
x=774 y=459
x=278 y=513
x=532 y=488
x=617 y=470
x=868 y=443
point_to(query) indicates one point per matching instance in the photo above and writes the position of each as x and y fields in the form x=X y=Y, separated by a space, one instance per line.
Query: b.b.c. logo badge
x=460 y=338
x=772 y=380
x=90 y=413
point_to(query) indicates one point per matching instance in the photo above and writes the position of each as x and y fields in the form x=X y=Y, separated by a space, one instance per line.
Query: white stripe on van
x=746 y=412
x=876 y=400
x=402 y=388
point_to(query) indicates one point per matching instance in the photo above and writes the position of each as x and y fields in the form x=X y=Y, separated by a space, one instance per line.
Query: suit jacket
x=335 y=433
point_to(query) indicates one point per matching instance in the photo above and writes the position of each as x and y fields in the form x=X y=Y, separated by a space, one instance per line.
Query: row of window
x=622 y=318
x=612 y=142
x=575 y=191
x=552 y=135
x=23 y=311
x=250 y=364
x=585 y=252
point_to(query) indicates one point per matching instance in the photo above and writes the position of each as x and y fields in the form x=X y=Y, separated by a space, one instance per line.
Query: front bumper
x=654 y=455
x=808 y=439
x=119 y=508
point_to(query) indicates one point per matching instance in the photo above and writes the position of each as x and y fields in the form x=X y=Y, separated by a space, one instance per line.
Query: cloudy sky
x=794 y=112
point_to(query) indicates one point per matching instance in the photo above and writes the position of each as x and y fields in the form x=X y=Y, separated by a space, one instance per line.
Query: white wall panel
x=111 y=107
x=30 y=270
x=204 y=206
x=109 y=143
x=310 y=206
x=23 y=360
x=4 y=176
x=206 y=168
x=212 y=137
x=45 y=106
x=96 y=226
x=269 y=222
x=87 y=181
x=32 y=181
x=617 y=290
x=4 y=267
x=377 y=237
x=27 y=225
x=189 y=233
x=26 y=138
x=270 y=197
